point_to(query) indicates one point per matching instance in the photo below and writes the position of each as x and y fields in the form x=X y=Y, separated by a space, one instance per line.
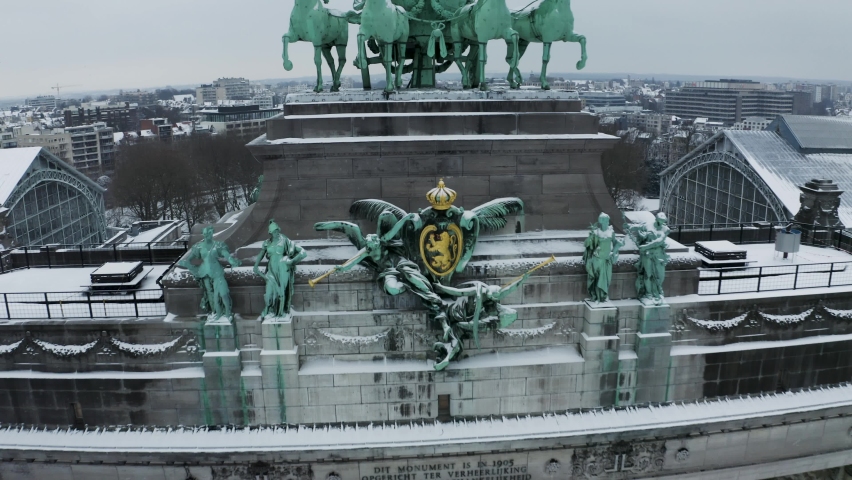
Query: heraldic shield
x=441 y=248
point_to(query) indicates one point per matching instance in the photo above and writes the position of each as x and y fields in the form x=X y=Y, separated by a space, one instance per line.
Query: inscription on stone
x=503 y=468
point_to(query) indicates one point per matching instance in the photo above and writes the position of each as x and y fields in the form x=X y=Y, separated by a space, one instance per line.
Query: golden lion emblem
x=442 y=246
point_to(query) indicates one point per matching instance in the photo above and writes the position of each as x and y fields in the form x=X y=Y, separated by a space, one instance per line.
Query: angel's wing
x=352 y=231
x=492 y=215
x=370 y=209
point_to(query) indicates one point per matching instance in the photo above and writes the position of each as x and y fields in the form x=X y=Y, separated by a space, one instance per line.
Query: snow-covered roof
x=784 y=169
x=14 y=163
x=825 y=133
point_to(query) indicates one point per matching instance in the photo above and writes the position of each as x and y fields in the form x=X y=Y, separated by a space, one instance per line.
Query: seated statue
x=215 y=295
x=282 y=255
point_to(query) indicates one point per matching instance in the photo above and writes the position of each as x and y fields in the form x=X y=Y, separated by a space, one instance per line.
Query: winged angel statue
x=420 y=252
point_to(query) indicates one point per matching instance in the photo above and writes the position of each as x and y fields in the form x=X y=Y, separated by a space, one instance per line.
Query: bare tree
x=625 y=173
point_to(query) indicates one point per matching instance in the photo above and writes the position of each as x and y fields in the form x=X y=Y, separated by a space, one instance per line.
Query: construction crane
x=58 y=86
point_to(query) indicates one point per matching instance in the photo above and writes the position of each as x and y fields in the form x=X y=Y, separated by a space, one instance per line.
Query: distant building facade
x=752 y=123
x=248 y=120
x=728 y=101
x=651 y=122
x=602 y=99
x=210 y=93
x=160 y=127
x=235 y=88
x=139 y=97
x=121 y=118
x=57 y=142
x=43 y=101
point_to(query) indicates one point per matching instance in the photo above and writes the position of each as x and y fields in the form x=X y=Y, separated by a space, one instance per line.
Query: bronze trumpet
x=313 y=282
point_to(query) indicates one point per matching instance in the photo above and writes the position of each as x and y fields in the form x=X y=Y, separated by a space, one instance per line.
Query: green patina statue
x=282 y=256
x=215 y=296
x=547 y=22
x=404 y=34
x=387 y=25
x=478 y=23
x=601 y=252
x=254 y=196
x=420 y=252
x=651 y=267
x=311 y=21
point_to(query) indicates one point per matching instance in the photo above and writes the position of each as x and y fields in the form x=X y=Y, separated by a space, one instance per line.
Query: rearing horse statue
x=311 y=21
x=480 y=22
x=388 y=25
x=550 y=21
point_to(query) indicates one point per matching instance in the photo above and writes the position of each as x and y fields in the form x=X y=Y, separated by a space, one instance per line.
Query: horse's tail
x=437 y=35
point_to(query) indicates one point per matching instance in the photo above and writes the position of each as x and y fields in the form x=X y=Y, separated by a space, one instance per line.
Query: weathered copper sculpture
x=282 y=255
x=405 y=33
x=418 y=252
x=311 y=21
x=651 y=267
x=478 y=23
x=215 y=296
x=387 y=25
x=546 y=22
x=601 y=252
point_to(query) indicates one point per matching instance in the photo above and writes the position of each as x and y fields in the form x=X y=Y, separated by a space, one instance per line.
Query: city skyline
x=668 y=37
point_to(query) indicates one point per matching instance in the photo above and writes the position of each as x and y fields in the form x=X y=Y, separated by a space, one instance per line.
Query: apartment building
x=235 y=88
x=209 y=93
x=651 y=122
x=92 y=149
x=160 y=128
x=121 y=118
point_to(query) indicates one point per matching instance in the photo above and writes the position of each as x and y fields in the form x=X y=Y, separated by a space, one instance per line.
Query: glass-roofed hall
x=46 y=201
x=738 y=177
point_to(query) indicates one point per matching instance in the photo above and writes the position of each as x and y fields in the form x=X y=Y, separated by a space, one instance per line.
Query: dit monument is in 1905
x=435 y=285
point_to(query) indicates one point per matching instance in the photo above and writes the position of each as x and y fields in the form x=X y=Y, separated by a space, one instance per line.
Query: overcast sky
x=110 y=44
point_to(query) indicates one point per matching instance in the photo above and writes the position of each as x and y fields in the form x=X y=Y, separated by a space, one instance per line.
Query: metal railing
x=83 y=304
x=61 y=256
x=719 y=281
x=759 y=232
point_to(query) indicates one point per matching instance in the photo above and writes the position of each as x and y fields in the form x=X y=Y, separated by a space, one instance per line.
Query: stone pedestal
x=653 y=352
x=599 y=348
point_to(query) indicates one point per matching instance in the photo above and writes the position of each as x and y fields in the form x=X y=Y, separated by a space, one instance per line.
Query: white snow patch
x=347 y=340
x=787 y=319
x=716 y=326
x=527 y=332
x=144 y=349
x=740 y=346
x=845 y=314
x=4 y=349
x=501 y=429
x=65 y=350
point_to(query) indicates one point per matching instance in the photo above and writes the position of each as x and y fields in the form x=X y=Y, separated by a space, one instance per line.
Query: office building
x=247 y=120
x=138 y=97
x=728 y=101
x=42 y=101
x=602 y=99
x=752 y=123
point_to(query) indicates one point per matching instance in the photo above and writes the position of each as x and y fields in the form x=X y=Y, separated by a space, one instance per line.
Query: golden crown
x=441 y=197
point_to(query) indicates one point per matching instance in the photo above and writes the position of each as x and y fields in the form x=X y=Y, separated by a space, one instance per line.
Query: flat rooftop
x=64 y=279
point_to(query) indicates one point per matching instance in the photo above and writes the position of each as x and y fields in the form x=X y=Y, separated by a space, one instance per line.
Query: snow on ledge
x=502 y=429
x=740 y=346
